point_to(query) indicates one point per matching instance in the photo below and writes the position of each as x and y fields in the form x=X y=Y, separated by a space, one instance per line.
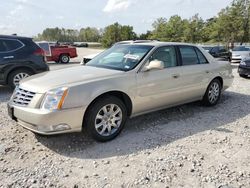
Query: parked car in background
x=87 y=58
x=124 y=81
x=244 y=67
x=58 y=53
x=239 y=53
x=81 y=44
x=20 y=58
x=219 y=52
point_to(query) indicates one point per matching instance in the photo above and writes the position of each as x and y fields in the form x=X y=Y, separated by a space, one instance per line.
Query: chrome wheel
x=65 y=59
x=18 y=77
x=214 y=92
x=108 y=120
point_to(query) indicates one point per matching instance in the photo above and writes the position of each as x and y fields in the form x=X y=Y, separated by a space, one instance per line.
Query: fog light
x=61 y=127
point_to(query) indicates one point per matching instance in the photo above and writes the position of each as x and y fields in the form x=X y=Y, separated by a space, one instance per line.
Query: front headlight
x=54 y=99
x=243 y=63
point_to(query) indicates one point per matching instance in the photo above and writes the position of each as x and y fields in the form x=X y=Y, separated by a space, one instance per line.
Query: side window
x=11 y=44
x=222 y=49
x=188 y=55
x=165 y=54
x=201 y=57
x=3 y=47
x=215 y=50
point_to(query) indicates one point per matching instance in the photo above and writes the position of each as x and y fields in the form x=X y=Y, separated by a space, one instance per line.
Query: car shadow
x=154 y=129
x=60 y=64
x=5 y=93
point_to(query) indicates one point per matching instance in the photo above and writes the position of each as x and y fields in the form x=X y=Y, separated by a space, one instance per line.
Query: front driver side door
x=159 y=88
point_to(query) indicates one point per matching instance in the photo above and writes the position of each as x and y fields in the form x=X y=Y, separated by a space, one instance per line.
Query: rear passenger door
x=8 y=55
x=195 y=71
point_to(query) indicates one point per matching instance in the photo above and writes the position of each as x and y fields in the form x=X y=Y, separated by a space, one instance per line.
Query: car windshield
x=241 y=48
x=207 y=47
x=121 y=57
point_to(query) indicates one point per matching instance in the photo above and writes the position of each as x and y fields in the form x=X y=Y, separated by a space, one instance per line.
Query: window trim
x=14 y=49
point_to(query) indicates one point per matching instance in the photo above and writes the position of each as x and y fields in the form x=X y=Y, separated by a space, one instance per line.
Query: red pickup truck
x=58 y=53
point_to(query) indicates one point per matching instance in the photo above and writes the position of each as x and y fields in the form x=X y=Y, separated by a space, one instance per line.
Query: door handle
x=175 y=75
x=8 y=57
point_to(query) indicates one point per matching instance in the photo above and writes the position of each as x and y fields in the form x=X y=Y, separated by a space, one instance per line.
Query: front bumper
x=243 y=70
x=47 y=122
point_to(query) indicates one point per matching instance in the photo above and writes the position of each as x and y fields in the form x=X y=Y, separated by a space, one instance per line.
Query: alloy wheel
x=214 y=92
x=18 y=77
x=108 y=119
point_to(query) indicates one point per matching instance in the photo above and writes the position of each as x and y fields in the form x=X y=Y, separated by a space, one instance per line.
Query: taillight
x=39 y=52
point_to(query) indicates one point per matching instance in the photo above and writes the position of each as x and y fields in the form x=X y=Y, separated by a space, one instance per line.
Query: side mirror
x=155 y=64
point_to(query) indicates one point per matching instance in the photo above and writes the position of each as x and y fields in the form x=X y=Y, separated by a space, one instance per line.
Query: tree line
x=230 y=25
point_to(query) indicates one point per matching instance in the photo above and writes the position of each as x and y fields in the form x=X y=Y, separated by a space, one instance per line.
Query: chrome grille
x=22 y=97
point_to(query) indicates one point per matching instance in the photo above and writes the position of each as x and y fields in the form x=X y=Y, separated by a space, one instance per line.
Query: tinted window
x=201 y=57
x=223 y=49
x=9 y=45
x=189 y=56
x=3 y=47
x=165 y=54
x=214 y=50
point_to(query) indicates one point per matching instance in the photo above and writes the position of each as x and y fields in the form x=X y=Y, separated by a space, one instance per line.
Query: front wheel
x=213 y=93
x=106 y=118
x=16 y=76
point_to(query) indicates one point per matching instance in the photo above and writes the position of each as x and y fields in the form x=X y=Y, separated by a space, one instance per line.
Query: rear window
x=201 y=57
x=189 y=56
x=7 y=45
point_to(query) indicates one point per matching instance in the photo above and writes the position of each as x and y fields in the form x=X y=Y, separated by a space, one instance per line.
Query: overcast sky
x=30 y=17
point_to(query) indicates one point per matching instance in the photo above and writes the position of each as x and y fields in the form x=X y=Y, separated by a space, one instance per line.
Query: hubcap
x=65 y=58
x=214 y=92
x=108 y=120
x=18 y=77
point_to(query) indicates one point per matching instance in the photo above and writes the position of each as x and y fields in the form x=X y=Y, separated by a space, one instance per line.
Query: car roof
x=151 y=43
x=14 y=37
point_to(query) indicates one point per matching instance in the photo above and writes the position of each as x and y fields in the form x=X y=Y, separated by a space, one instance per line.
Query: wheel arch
x=119 y=94
x=220 y=79
x=18 y=68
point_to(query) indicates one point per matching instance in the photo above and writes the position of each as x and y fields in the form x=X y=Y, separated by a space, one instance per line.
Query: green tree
x=233 y=22
x=194 y=28
x=89 y=34
x=115 y=33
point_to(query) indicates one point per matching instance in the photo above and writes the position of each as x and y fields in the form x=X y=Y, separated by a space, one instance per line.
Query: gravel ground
x=185 y=146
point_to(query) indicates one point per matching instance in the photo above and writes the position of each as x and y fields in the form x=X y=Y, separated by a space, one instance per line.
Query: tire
x=16 y=76
x=243 y=76
x=213 y=93
x=64 y=58
x=100 y=125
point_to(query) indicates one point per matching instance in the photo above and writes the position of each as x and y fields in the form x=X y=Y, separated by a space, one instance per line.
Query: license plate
x=11 y=112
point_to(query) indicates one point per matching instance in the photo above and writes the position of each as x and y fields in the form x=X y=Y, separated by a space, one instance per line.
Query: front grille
x=22 y=97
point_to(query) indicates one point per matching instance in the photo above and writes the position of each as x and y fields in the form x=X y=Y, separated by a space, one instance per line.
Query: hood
x=41 y=83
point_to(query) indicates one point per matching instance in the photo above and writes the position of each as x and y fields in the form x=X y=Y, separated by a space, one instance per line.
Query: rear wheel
x=213 y=93
x=106 y=118
x=64 y=58
x=16 y=76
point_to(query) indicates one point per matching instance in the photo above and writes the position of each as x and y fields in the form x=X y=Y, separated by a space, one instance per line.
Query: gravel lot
x=185 y=146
